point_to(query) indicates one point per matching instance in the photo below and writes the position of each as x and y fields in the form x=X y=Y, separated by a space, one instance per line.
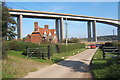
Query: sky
x=75 y=28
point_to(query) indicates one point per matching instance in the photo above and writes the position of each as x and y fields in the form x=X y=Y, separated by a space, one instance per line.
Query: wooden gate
x=40 y=52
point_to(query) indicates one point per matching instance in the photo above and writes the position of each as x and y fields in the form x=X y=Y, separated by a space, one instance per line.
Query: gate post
x=103 y=54
x=48 y=51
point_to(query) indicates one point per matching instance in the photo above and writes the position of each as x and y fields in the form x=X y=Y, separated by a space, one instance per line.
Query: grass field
x=109 y=68
x=18 y=65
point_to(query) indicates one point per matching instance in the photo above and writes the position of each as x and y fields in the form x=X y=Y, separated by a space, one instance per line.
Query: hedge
x=20 y=45
x=54 y=48
x=70 y=47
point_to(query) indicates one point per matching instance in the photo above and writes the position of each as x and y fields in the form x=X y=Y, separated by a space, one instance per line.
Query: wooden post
x=48 y=52
x=42 y=55
x=103 y=54
x=27 y=53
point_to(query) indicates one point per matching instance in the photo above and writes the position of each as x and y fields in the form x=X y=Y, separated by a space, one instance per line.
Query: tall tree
x=8 y=28
x=8 y=24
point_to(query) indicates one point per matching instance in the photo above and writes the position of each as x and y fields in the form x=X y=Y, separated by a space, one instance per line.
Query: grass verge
x=105 y=69
x=61 y=56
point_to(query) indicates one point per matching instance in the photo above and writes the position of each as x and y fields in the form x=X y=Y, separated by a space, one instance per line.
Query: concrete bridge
x=60 y=17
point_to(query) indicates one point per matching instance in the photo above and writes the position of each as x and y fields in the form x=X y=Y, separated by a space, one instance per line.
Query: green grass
x=59 y=56
x=19 y=54
x=54 y=58
x=98 y=54
x=16 y=53
x=108 y=68
x=18 y=65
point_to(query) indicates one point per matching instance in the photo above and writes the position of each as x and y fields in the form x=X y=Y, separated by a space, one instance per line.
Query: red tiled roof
x=38 y=32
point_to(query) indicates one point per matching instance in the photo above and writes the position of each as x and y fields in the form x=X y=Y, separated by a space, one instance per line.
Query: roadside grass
x=57 y=57
x=19 y=54
x=109 y=68
x=18 y=65
x=61 y=56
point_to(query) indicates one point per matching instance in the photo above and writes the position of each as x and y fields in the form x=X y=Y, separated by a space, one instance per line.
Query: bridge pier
x=118 y=32
x=61 y=29
x=89 y=31
x=19 y=27
x=57 y=29
x=94 y=31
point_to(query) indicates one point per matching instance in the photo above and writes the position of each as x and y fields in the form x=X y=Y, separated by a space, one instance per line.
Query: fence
x=40 y=52
x=110 y=49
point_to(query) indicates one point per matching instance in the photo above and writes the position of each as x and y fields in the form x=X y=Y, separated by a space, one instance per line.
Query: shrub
x=24 y=52
x=108 y=44
x=74 y=40
x=15 y=45
x=71 y=40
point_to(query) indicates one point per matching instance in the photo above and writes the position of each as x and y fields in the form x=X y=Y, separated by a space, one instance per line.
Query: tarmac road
x=76 y=66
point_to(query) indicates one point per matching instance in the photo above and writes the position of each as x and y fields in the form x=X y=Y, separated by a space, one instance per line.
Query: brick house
x=40 y=35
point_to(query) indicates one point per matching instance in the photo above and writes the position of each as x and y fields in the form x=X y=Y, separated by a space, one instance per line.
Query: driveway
x=76 y=66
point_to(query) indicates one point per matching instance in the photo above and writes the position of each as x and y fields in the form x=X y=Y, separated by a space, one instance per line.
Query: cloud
x=57 y=8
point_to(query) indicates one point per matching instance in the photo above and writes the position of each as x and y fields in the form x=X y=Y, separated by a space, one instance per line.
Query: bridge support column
x=89 y=31
x=19 y=27
x=57 y=29
x=61 y=29
x=118 y=32
x=94 y=31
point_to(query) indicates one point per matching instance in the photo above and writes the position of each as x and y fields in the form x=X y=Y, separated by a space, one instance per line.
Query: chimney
x=46 y=26
x=35 y=26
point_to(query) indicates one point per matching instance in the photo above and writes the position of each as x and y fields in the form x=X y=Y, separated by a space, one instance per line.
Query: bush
x=15 y=45
x=72 y=40
x=108 y=44
x=24 y=52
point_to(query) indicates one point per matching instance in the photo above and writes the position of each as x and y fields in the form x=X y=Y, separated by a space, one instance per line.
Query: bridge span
x=60 y=17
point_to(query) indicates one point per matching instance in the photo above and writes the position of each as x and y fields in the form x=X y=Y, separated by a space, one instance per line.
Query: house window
x=54 y=37
x=50 y=34
x=45 y=32
x=54 y=32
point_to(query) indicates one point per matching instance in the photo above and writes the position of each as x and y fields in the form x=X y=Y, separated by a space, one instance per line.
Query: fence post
x=27 y=53
x=48 y=51
x=103 y=54
x=42 y=55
